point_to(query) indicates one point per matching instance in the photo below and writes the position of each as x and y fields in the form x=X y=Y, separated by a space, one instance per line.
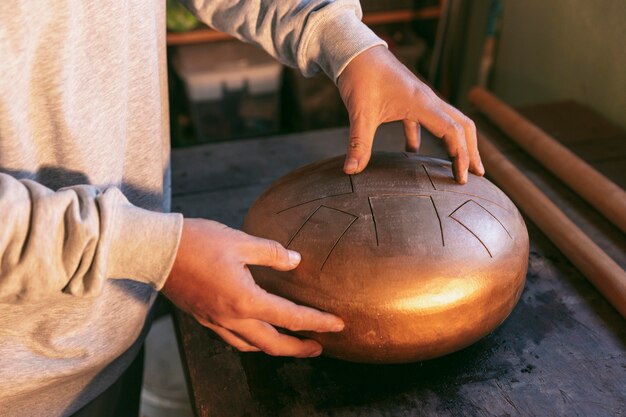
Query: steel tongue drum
x=416 y=265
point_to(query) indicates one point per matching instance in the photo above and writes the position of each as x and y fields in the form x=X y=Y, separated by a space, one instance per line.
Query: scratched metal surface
x=561 y=352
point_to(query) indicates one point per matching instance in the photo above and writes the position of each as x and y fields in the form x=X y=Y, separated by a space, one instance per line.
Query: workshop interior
x=545 y=83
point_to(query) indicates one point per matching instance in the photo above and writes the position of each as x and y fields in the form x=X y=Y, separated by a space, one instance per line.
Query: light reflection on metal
x=449 y=292
x=417 y=265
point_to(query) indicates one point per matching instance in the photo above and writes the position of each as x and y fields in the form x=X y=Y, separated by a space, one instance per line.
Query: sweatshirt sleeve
x=311 y=35
x=74 y=239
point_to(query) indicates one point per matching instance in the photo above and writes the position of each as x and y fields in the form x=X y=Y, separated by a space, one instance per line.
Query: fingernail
x=316 y=352
x=482 y=168
x=337 y=327
x=294 y=258
x=351 y=166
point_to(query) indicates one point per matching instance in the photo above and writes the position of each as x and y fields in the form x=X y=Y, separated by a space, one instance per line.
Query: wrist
x=334 y=39
x=144 y=245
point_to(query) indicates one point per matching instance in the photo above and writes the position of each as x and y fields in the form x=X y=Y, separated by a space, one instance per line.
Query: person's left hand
x=376 y=88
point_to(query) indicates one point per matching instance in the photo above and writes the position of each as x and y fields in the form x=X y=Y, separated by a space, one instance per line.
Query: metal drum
x=417 y=265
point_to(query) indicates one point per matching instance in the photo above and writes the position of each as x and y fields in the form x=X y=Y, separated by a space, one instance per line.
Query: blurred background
x=525 y=52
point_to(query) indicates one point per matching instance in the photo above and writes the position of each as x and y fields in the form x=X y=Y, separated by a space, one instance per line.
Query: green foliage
x=179 y=19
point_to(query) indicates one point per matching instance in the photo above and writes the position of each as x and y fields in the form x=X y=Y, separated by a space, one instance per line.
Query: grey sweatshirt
x=85 y=241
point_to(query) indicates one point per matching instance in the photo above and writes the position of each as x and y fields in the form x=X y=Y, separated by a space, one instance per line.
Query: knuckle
x=454 y=129
x=357 y=145
x=296 y=322
x=239 y=235
x=271 y=350
x=463 y=160
x=469 y=124
x=422 y=92
x=274 y=249
x=466 y=122
x=242 y=306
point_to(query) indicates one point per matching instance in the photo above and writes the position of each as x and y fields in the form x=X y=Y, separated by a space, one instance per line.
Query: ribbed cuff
x=143 y=245
x=334 y=37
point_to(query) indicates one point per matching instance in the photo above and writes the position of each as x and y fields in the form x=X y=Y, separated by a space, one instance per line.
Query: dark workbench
x=561 y=352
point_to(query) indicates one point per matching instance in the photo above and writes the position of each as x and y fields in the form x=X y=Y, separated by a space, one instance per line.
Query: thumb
x=270 y=253
x=360 y=145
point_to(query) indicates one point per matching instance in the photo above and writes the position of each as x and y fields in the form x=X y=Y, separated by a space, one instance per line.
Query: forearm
x=311 y=35
x=74 y=239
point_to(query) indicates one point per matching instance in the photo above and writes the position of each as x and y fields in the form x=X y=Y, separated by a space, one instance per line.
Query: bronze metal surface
x=417 y=265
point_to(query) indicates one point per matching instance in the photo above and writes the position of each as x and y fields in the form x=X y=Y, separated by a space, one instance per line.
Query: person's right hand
x=376 y=88
x=210 y=279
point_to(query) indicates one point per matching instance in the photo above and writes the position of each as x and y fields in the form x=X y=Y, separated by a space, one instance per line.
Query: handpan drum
x=417 y=265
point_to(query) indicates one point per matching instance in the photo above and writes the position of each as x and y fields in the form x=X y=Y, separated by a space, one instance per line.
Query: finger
x=286 y=314
x=412 y=135
x=269 y=340
x=442 y=125
x=265 y=252
x=229 y=337
x=360 y=145
x=475 y=163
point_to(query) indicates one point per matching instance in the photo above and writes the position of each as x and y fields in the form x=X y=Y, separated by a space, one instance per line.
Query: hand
x=376 y=88
x=210 y=280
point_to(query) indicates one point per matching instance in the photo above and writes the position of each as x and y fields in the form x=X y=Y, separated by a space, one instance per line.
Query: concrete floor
x=164 y=392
